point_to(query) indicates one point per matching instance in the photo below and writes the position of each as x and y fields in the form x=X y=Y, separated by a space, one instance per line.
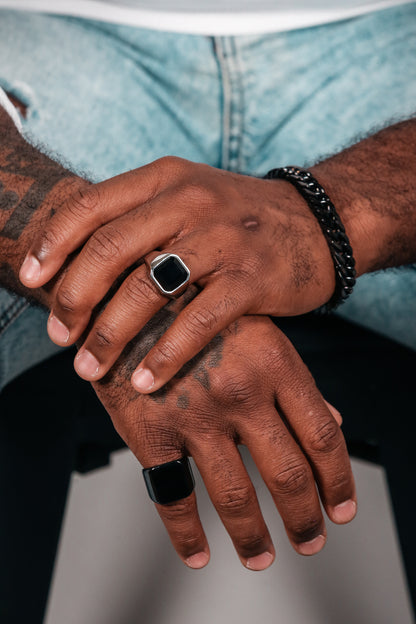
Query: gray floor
x=116 y=565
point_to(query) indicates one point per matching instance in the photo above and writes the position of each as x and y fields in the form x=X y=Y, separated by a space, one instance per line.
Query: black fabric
x=51 y=424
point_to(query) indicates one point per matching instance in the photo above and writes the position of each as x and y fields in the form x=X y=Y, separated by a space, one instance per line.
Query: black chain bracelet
x=331 y=226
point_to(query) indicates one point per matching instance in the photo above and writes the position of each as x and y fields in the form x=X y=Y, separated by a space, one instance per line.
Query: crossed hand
x=215 y=372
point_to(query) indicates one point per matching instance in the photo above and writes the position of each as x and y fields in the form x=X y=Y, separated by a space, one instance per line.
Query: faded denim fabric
x=109 y=98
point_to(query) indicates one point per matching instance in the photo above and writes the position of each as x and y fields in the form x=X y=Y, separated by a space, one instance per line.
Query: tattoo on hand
x=198 y=367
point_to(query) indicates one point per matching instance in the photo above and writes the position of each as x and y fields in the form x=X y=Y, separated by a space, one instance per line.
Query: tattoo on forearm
x=44 y=175
x=8 y=199
x=26 y=178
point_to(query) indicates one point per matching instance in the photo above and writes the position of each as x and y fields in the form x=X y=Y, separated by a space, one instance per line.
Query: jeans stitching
x=237 y=119
x=226 y=99
x=233 y=102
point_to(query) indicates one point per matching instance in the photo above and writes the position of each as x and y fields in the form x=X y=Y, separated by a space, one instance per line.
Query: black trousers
x=52 y=424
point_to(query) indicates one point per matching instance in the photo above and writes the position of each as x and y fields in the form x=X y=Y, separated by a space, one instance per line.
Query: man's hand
x=253 y=247
x=249 y=386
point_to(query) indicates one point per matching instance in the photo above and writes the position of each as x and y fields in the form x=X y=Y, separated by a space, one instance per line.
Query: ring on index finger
x=169 y=273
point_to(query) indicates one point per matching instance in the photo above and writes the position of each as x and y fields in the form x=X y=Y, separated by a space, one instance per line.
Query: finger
x=214 y=309
x=335 y=413
x=134 y=304
x=87 y=210
x=319 y=435
x=107 y=254
x=289 y=478
x=235 y=500
x=181 y=517
x=184 y=527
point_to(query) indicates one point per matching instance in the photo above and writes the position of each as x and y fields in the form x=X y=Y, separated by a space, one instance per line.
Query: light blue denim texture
x=109 y=98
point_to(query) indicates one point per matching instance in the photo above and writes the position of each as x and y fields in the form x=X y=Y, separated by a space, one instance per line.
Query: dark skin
x=253 y=247
x=248 y=386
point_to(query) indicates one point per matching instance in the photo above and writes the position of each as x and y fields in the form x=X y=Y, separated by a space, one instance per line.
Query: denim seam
x=226 y=99
x=14 y=310
x=233 y=102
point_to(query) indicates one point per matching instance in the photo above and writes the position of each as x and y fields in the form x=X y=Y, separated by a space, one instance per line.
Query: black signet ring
x=169 y=482
x=169 y=273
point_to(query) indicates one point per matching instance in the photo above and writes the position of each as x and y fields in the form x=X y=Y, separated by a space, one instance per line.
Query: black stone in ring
x=169 y=482
x=170 y=274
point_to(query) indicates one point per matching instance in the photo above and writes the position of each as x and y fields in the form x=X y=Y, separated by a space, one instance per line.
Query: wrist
x=31 y=187
x=360 y=223
x=331 y=230
x=372 y=186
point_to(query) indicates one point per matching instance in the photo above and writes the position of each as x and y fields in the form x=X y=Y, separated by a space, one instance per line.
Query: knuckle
x=201 y=322
x=307 y=530
x=106 y=244
x=197 y=193
x=83 y=203
x=171 y=165
x=139 y=290
x=251 y=265
x=104 y=336
x=188 y=544
x=176 y=512
x=233 y=387
x=326 y=438
x=235 y=501
x=66 y=300
x=171 y=161
x=163 y=355
x=247 y=269
x=293 y=479
x=250 y=545
x=341 y=481
x=51 y=238
x=206 y=193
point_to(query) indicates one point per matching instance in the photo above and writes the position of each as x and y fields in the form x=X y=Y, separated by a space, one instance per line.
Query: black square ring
x=169 y=273
x=169 y=482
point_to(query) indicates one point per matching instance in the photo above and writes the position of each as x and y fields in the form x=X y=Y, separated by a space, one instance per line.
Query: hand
x=249 y=386
x=252 y=246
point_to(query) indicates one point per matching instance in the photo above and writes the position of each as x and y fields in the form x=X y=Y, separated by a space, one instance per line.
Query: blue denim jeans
x=106 y=98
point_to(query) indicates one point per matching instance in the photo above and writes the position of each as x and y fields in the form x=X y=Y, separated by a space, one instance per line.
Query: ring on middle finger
x=169 y=273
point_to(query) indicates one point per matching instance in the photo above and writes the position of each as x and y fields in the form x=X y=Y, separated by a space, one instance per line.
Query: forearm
x=31 y=186
x=372 y=186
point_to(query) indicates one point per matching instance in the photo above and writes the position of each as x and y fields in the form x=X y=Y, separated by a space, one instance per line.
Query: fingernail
x=57 y=331
x=197 y=561
x=312 y=547
x=30 y=270
x=143 y=380
x=344 y=512
x=260 y=562
x=86 y=364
